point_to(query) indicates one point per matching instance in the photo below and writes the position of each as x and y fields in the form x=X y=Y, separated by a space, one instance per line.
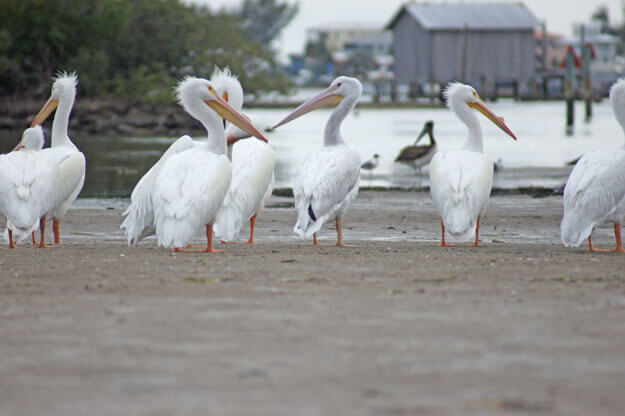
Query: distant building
x=338 y=36
x=354 y=49
x=441 y=42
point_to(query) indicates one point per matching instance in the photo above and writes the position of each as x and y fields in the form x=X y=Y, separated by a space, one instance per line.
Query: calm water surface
x=115 y=164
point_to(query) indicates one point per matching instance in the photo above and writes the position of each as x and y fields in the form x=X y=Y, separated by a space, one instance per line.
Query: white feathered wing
x=325 y=187
x=252 y=183
x=594 y=194
x=460 y=184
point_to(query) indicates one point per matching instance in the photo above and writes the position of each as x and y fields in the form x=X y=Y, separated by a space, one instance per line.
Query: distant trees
x=137 y=48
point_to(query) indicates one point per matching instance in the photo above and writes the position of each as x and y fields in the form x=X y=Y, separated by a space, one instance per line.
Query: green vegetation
x=137 y=49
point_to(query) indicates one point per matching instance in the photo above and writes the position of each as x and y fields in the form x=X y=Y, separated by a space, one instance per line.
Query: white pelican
x=595 y=191
x=192 y=184
x=32 y=140
x=418 y=156
x=461 y=180
x=62 y=152
x=371 y=163
x=252 y=183
x=252 y=163
x=327 y=182
x=24 y=186
x=139 y=221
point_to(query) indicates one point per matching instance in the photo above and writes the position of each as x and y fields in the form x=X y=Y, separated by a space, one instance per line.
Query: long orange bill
x=45 y=111
x=325 y=97
x=498 y=121
x=226 y=112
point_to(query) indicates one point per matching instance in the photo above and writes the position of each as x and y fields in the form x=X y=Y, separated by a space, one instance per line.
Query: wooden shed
x=441 y=42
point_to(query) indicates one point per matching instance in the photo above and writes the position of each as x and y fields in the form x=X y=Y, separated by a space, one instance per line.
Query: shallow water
x=538 y=158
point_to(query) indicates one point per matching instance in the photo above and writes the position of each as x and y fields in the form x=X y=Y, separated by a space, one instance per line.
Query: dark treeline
x=136 y=49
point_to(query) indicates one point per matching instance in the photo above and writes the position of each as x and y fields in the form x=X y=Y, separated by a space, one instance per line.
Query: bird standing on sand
x=595 y=191
x=24 y=186
x=192 y=184
x=139 y=221
x=461 y=180
x=252 y=164
x=62 y=154
x=418 y=156
x=327 y=182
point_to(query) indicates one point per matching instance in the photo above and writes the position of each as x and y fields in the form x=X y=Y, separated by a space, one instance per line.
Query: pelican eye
x=475 y=95
x=338 y=85
x=225 y=96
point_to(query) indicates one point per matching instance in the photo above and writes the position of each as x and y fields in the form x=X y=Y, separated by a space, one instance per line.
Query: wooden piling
x=569 y=90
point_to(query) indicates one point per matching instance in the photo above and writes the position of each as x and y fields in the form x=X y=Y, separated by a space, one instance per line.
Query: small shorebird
x=371 y=163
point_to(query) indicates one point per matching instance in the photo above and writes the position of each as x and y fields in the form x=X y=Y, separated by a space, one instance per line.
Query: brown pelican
x=419 y=156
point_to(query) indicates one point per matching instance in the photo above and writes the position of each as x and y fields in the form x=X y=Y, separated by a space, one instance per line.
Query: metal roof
x=475 y=16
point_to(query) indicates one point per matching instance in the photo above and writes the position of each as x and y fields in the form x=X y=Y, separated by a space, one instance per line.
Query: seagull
x=371 y=163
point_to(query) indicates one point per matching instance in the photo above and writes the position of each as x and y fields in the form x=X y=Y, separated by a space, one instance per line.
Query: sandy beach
x=396 y=326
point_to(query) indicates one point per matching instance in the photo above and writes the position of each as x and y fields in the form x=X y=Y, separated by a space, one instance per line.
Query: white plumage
x=252 y=164
x=595 y=191
x=252 y=183
x=328 y=180
x=188 y=191
x=325 y=186
x=191 y=184
x=460 y=184
x=25 y=193
x=461 y=180
x=63 y=154
x=139 y=221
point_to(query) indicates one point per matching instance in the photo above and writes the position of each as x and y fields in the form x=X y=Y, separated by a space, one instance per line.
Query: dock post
x=569 y=90
x=586 y=56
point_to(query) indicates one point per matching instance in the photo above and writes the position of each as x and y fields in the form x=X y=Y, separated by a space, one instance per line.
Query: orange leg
x=339 y=234
x=42 y=227
x=619 y=242
x=209 y=244
x=477 y=233
x=315 y=242
x=57 y=231
x=251 y=239
x=11 y=245
x=34 y=237
x=252 y=225
x=443 y=243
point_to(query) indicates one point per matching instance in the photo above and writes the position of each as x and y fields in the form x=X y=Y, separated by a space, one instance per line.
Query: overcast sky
x=559 y=14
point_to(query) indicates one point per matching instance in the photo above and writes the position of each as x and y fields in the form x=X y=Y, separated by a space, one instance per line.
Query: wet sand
x=396 y=326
